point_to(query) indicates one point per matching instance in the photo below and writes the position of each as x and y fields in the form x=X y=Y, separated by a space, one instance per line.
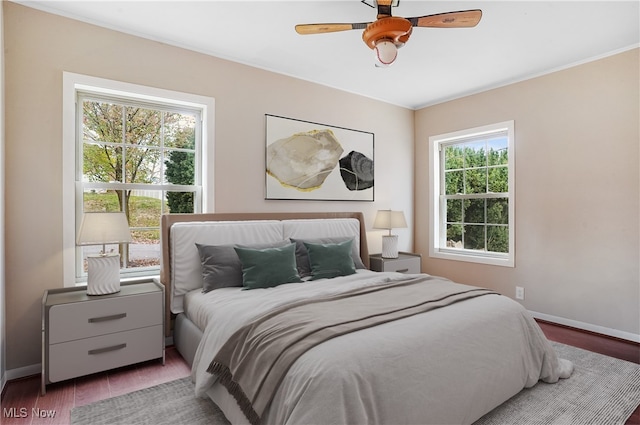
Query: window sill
x=136 y=279
x=473 y=257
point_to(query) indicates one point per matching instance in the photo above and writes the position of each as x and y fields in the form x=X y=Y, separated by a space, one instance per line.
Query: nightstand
x=84 y=334
x=405 y=263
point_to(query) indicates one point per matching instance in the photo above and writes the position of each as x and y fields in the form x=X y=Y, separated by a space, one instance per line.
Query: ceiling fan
x=388 y=33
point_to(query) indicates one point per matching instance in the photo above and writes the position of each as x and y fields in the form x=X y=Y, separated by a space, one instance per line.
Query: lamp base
x=390 y=246
x=103 y=274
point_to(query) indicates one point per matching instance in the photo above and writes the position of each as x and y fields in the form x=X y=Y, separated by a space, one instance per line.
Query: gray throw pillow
x=221 y=267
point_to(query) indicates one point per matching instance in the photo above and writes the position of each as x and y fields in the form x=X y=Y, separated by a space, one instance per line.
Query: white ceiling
x=515 y=40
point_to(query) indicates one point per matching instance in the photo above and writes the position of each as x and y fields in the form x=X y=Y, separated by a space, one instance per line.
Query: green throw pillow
x=329 y=260
x=268 y=267
x=302 y=256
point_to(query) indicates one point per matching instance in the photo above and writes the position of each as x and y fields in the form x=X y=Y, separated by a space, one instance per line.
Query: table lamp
x=387 y=219
x=103 y=270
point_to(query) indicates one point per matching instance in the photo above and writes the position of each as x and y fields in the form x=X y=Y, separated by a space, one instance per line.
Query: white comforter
x=447 y=366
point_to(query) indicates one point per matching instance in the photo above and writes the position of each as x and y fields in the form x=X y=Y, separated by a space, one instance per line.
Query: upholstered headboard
x=295 y=225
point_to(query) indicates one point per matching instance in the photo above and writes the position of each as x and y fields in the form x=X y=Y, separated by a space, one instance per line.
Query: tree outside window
x=476 y=179
x=140 y=159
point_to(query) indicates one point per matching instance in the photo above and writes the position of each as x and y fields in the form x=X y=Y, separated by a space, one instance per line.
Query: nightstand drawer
x=69 y=322
x=408 y=265
x=405 y=263
x=90 y=355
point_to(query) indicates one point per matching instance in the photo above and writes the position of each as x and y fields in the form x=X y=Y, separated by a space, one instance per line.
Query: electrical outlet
x=519 y=293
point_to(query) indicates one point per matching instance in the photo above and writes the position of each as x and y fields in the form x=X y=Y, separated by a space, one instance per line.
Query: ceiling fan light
x=386 y=52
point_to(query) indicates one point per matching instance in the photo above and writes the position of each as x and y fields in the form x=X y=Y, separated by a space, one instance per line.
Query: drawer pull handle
x=107 y=349
x=402 y=270
x=107 y=318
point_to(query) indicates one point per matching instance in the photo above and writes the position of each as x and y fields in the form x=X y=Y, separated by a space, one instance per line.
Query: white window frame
x=74 y=83
x=437 y=228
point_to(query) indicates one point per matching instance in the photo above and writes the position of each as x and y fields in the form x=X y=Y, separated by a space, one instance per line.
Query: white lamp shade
x=387 y=219
x=101 y=228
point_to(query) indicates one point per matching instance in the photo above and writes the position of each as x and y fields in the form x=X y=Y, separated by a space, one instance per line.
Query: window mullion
x=123 y=157
x=139 y=186
x=478 y=195
x=443 y=199
x=162 y=146
x=486 y=233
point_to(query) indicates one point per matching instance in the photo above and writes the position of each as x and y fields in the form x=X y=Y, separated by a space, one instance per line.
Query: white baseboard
x=587 y=326
x=23 y=372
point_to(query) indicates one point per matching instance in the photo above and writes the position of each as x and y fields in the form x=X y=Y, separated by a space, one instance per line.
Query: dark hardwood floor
x=62 y=397
x=22 y=395
x=609 y=346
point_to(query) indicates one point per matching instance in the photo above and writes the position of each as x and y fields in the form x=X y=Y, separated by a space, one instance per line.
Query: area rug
x=602 y=391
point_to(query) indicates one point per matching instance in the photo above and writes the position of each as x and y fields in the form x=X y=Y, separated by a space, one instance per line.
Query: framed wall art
x=312 y=161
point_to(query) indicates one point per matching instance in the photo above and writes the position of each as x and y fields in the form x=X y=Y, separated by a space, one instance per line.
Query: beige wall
x=577 y=190
x=40 y=46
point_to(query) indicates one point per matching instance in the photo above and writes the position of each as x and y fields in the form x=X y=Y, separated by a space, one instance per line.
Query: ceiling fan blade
x=461 y=19
x=324 y=28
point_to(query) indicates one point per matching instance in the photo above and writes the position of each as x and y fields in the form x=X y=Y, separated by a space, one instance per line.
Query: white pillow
x=186 y=271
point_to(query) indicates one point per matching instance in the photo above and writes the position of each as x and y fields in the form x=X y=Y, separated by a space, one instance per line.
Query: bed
x=337 y=343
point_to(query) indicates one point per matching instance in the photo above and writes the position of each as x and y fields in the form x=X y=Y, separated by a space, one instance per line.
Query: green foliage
x=180 y=169
x=180 y=202
x=144 y=212
x=474 y=169
x=474 y=237
x=119 y=143
x=101 y=202
x=498 y=211
x=122 y=144
x=477 y=168
x=474 y=211
x=498 y=239
x=127 y=144
x=147 y=209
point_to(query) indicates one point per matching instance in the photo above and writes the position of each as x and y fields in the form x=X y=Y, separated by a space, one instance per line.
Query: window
x=472 y=176
x=135 y=149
